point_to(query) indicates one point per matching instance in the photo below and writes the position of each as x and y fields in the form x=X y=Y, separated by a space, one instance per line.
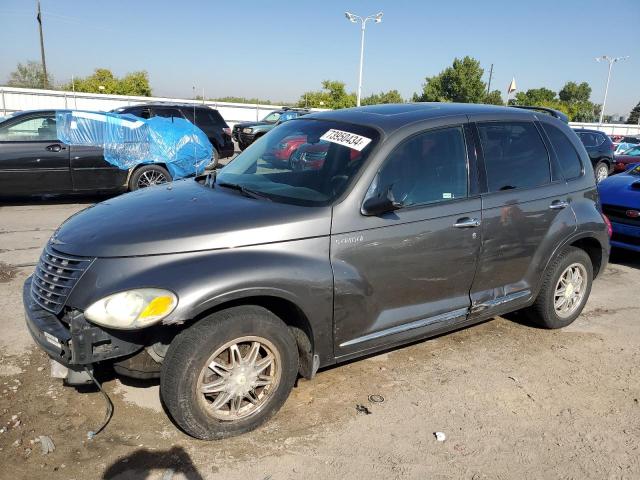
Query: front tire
x=229 y=373
x=565 y=290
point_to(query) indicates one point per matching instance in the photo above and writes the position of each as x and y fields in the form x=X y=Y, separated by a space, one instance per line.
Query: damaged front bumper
x=74 y=342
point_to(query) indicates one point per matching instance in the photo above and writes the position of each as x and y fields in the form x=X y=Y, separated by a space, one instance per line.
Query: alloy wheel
x=238 y=379
x=602 y=173
x=150 y=178
x=570 y=290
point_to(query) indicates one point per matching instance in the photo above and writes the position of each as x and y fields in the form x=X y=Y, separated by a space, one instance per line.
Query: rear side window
x=567 y=155
x=514 y=155
x=427 y=168
x=590 y=139
x=206 y=118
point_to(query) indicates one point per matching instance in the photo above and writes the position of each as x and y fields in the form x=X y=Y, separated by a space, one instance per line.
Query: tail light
x=226 y=130
x=609 y=227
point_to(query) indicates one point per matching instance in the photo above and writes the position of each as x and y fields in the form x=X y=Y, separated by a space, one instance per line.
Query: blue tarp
x=129 y=141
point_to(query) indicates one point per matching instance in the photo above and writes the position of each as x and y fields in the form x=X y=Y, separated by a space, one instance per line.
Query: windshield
x=634 y=152
x=302 y=162
x=634 y=171
x=272 y=117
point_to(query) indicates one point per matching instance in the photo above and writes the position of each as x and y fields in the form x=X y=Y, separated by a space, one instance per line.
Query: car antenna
x=195 y=158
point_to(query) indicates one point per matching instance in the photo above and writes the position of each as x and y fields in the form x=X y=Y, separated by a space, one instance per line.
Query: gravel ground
x=513 y=401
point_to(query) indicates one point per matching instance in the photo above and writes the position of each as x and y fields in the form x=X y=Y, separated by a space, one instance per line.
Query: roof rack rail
x=554 y=113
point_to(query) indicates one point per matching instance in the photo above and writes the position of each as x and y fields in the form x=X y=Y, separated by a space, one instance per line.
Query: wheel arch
x=285 y=309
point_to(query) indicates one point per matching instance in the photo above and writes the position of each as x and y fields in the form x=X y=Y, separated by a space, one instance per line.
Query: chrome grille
x=54 y=277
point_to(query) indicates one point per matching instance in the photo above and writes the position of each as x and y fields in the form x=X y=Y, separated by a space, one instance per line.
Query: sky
x=279 y=49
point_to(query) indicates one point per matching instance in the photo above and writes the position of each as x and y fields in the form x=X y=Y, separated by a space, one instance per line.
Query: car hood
x=622 y=190
x=184 y=216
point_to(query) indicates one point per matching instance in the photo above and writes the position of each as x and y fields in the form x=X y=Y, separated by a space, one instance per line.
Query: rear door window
x=514 y=155
x=567 y=156
x=588 y=139
x=167 y=112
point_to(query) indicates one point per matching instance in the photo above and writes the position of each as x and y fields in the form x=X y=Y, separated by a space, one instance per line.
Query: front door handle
x=467 y=222
x=558 y=205
x=56 y=147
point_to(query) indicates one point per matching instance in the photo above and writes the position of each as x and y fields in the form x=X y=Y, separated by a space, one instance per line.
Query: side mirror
x=380 y=204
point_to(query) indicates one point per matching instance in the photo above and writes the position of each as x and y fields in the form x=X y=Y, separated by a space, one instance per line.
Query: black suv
x=205 y=118
x=246 y=133
x=411 y=221
x=600 y=149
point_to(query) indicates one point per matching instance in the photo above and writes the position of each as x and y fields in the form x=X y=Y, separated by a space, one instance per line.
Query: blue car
x=620 y=197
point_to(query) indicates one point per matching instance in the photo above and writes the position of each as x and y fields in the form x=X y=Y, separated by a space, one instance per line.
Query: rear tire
x=601 y=171
x=147 y=176
x=202 y=367
x=570 y=274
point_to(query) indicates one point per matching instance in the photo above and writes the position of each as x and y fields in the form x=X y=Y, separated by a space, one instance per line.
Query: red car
x=311 y=156
x=281 y=153
x=622 y=162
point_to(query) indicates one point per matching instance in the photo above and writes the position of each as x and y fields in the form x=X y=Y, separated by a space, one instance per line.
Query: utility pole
x=490 y=75
x=45 y=79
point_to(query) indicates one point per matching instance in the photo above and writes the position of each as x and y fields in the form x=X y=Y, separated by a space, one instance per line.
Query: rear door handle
x=56 y=147
x=558 y=205
x=467 y=222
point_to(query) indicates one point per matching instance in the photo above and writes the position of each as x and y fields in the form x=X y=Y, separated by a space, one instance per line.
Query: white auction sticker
x=347 y=139
x=53 y=340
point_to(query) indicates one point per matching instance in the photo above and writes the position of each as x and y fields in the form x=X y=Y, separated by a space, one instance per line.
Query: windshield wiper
x=247 y=192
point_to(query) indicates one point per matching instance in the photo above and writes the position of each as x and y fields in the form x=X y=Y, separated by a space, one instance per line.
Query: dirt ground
x=513 y=401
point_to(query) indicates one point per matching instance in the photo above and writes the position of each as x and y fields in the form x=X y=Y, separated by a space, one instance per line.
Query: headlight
x=132 y=309
x=247 y=130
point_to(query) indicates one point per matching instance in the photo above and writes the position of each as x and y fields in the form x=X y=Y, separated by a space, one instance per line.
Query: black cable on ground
x=91 y=434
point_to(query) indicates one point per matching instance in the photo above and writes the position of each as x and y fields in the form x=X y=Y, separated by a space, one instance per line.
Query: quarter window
x=567 y=155
x=429 y=167
x=514 y=156
x=33 y=129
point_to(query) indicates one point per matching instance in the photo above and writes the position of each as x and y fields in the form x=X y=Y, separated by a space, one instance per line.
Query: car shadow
x=54 y=199
x=142 y=462
x=628 y=258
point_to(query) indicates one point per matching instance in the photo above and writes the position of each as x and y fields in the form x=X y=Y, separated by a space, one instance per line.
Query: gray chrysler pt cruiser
x=390 y=223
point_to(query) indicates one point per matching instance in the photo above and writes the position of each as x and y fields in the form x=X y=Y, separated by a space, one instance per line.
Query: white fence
x=16 y=99
x=609 y=128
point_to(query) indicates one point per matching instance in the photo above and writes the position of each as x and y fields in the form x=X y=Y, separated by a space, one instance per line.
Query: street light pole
x=363 y=22
x=611 y=61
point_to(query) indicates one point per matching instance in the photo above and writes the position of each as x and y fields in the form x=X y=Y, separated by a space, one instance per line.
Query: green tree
x=572 y=92
x=333 y=95
x=135 y=83
x=634 y=116
x=535 y=97
x=392 y=96
x=493 y=98
x=461 y=82
x=29 y=75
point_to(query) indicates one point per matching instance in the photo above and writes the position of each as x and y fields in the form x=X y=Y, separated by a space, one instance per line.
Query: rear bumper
x=77 y=342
